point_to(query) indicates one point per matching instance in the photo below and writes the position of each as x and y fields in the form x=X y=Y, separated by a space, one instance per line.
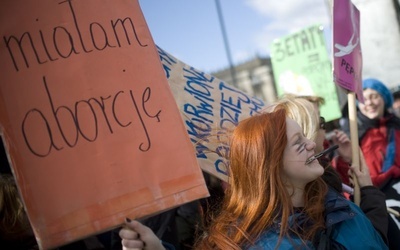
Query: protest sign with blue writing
x=210 y=108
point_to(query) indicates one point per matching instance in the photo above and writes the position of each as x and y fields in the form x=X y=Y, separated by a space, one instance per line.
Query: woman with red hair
x=274 y=199
x=272 y=193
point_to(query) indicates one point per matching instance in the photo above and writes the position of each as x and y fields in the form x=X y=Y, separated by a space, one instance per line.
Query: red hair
x=256 y=196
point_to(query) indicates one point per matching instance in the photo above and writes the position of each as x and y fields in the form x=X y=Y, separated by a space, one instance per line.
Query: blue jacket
x=347 y=227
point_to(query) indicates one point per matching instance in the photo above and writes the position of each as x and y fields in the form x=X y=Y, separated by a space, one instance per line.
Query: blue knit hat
x=379 y=87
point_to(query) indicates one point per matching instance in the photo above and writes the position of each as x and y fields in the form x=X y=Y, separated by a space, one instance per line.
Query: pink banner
x=347 y=57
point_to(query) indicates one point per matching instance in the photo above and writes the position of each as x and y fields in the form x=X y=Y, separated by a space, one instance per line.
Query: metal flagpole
x=228 y=52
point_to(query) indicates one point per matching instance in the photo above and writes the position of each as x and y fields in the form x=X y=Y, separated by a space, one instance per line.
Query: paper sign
x=302 y=66
x=347 y=57
x=89 y=121
x=210 y=109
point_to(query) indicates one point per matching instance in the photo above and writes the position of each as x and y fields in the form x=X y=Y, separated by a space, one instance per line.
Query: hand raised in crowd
x=340 y=138
x=137 y=236
x=361 y=173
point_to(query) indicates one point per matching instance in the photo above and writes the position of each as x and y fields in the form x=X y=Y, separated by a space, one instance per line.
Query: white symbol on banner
x=345 y=50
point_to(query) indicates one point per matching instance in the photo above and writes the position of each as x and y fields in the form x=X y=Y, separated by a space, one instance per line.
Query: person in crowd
x=274 y=200
x=372 y=199
x=337 y=136
x=378 y=132
x=341 y=161
x=15 y=229
x=379 y=140
x=396 y=101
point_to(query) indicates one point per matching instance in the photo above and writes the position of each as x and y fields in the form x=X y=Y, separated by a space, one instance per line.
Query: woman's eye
x=301 y=147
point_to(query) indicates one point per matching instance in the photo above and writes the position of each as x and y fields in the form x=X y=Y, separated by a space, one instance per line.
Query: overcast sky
x=190 y=29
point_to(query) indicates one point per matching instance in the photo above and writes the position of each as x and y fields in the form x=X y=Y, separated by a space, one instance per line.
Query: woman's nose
x=367 y=101
x=310 y=145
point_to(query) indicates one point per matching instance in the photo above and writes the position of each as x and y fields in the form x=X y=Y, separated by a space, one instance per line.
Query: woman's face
x=297 y=151
x=374 y=105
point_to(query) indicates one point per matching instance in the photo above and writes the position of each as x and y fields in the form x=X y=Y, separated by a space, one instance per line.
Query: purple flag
x=347 y=57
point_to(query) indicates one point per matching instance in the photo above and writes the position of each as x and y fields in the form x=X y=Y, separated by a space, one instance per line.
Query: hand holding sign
x=348 y=66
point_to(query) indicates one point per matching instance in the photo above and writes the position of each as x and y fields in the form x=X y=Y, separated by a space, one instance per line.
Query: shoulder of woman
x=269 y=240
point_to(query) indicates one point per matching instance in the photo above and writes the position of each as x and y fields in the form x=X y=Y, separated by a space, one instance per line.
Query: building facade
x=255 y=77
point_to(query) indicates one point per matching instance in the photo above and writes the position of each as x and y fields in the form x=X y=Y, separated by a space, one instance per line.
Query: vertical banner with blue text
x=210 y=109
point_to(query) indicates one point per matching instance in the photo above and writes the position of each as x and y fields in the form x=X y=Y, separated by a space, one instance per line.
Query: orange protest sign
x=89 y=122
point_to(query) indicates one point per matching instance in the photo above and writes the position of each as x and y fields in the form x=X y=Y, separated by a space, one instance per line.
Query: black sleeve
x=373 y=204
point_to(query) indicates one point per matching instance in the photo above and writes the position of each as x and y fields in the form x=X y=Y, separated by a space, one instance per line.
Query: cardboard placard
x=210 y=109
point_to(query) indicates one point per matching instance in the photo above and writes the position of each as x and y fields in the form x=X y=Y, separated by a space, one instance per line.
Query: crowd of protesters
x=273 y=198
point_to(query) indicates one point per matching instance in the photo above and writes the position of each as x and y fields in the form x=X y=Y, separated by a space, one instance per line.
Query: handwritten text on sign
x=104 y=108
x=210 y=109
x=50 y=45
x=88 y=118
x=61 y=42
